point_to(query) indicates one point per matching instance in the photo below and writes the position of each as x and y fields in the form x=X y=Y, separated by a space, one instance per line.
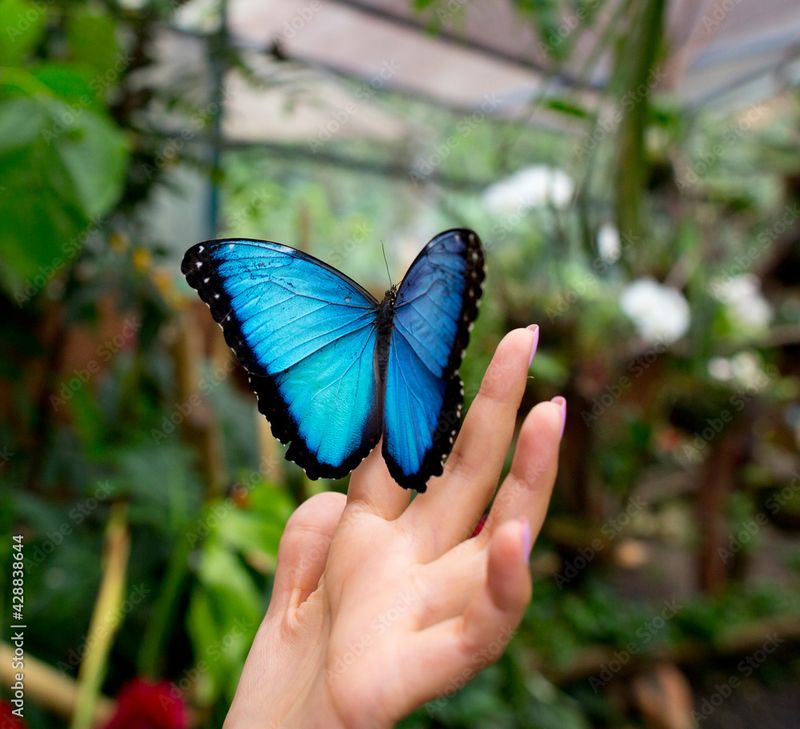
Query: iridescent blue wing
x=436 y=304
x=306 y=334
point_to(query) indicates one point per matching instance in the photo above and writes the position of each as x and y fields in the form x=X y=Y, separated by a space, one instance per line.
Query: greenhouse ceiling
x=479 y=57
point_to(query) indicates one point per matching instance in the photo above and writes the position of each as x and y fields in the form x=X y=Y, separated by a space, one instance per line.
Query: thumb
x=303 y=550
x=453 y=651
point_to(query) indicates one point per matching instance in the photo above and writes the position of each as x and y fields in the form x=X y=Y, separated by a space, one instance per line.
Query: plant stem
x=158 y=627
x=106 y=617
x=50 y=688
x=638 y=56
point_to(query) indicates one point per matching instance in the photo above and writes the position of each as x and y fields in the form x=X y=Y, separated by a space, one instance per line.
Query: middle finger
x=446 y=514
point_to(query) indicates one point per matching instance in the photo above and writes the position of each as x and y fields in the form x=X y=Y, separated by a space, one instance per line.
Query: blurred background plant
x=633 y=170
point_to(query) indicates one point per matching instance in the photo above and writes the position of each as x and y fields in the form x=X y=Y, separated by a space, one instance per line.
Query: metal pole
x=218 y=49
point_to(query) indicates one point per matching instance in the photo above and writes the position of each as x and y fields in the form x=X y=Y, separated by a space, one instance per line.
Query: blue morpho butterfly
x=333 y=368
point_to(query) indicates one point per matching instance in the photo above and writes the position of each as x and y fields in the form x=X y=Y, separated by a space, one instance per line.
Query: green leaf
x=224 y=613
x=63 y=170
x=42 y=220
x=259 y=528
x=96 y=159
x=21 y=121
x=23 y=23
x=550 y=368
x=69 y=84
x=84 y=413
x=568 y=107
x=92 y=40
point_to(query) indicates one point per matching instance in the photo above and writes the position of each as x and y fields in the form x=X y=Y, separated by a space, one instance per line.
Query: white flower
x=660 y=313
x=720 y=369
x=608 y=243
x=531 y=187
x=743 y=298
x=198 y=15
x=743 y=370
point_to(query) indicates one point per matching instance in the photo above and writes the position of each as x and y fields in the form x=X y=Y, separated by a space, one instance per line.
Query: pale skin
x=381 y=603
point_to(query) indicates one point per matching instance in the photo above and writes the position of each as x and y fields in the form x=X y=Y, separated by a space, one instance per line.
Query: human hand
x=381 y=603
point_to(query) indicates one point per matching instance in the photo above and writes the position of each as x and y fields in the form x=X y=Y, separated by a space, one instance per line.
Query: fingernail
x=562 y=403
x=527 y=541
x=535 y=329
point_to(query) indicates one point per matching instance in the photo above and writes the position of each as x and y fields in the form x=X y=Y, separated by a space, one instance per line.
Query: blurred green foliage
x=97 y=410
x=58 y=140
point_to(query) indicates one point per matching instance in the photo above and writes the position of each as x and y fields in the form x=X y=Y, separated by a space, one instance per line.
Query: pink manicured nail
x=535 y=329
x=562 y=403
x=527 y=541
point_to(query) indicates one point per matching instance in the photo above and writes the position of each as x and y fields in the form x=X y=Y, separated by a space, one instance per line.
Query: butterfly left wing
x=307 y=335
x=436 y=304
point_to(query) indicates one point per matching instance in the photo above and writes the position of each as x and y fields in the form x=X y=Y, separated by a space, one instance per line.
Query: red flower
x=145 y=705
x=8 y=720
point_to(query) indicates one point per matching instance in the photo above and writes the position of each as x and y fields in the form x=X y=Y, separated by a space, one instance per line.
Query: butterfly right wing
x=307 y=336
x=436 y=303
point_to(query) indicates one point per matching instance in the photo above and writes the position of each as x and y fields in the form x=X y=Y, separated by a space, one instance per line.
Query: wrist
x=282 y=701
x=310 y=713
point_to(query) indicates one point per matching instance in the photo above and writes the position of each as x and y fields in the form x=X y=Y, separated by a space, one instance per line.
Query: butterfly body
x=332 y=367
x=383 y=323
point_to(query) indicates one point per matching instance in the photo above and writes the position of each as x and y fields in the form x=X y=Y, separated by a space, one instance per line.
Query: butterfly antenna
x=386 y=262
